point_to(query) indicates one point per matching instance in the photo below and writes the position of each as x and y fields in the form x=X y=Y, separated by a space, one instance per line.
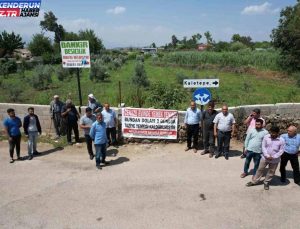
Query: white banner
x=149 y=123
x=200 y=83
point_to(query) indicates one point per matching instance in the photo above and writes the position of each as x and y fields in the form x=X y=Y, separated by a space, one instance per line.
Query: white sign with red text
x=149 y=123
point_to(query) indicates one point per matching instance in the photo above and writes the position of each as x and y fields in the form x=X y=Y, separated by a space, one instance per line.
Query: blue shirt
x=13 y=126
x=109 y=118
x=192 y=117
x=291 y=144
x=254 y=140
x=98 y=133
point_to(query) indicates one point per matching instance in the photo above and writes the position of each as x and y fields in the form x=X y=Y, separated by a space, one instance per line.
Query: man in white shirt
x=224 y=130
x=110 y=119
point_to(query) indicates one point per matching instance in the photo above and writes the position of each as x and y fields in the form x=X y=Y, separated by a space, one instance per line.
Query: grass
x=235 y=89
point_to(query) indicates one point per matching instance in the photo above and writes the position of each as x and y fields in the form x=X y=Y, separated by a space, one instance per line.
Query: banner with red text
x=149 y=123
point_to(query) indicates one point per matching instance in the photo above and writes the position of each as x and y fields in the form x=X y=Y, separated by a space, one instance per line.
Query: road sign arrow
x=215 y=83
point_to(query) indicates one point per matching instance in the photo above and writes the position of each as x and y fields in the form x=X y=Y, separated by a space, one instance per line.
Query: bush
x=180 y=77
x=8 y=67
x=63 y=73
x=172 y=95
x=98 y=72
x=236 y=46
x=14 y=92
x=41 y=78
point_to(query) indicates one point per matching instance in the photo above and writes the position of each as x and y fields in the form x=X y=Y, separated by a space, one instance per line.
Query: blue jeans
x=256 y=158
x=32 y=139
x=100 y=153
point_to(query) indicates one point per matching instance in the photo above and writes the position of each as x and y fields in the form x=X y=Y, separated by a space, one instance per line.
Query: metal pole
x=79 y=90
x=202 y=129
x=120 y=97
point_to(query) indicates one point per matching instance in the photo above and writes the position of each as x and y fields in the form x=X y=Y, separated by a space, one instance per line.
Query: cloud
x=264 y=8
x=116 y=10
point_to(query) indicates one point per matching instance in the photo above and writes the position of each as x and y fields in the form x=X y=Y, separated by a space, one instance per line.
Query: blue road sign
x=202 y=96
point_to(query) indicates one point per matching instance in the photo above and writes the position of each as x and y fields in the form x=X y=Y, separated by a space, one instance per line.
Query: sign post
x=200 y=83
x=76 y=54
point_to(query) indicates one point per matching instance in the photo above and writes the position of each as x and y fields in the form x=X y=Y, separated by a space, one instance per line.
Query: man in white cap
x=94 y=105
x=55 y=112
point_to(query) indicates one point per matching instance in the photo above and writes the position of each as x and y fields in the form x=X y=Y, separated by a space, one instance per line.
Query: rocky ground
x=145 y=186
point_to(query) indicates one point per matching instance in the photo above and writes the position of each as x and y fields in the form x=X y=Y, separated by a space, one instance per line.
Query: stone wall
x=281 y=114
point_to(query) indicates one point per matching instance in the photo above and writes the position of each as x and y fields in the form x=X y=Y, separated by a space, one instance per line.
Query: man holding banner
x=192 y=123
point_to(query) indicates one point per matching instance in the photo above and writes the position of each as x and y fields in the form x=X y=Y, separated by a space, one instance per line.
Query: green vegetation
x=235 y=89
x=265 y=60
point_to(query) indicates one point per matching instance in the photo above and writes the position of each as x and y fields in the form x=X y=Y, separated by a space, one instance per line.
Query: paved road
x=146 y=186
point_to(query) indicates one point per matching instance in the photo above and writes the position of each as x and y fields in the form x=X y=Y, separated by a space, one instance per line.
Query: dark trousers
x=89 y=144
x=192 y=132
x=100 y=153
x=293 y=158
x=111 y=134
x=256 y=158
x=15 y=143
x=57 y=122
x=209 y=140
x=74 y=127
x=224 y=142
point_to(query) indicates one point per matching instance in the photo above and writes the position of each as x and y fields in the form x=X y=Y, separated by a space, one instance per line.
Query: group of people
x=98 y=124
x=266 y=148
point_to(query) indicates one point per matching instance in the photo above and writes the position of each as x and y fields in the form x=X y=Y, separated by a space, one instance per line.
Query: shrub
x=98 y=72
x=41 y=78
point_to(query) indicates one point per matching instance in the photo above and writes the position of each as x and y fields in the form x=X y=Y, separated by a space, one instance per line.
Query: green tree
x=246 y=40
x=208 y=37
x=71 y=36
x=41 y=78
x=286 y=37
x=95 y=43
x=153 y=45
x=99 y=71
x=50 y=24
x=174 y=41
x=40 y=45
x=140 y=78
x=9 y=42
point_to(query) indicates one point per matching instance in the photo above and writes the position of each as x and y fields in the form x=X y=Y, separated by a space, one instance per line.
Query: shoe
x=195 y=150
x=266 y=186
x=283 y=180
x=226 y=156
x=211 y=155
x=11 y=160
x=91 y=157
x=204 y=152
x=30 y=157
x=20 y=159
x=243 y=175
x=243 y=156
x=98 y=167
x=217 y=155
x=187 y=148
x=70 y=143
x=105 y=162
x=36 y=153
x=249 y=184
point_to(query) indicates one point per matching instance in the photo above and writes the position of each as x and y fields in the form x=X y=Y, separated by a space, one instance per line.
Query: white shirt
x=224 y=123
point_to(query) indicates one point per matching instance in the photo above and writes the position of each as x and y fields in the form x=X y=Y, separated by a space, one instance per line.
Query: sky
x=139 y=23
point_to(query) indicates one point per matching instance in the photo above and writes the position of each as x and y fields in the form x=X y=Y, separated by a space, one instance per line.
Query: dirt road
x=146 y=186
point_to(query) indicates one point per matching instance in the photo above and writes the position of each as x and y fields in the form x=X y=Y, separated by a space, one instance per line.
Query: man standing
x=272 y=148
x=192 y=122
x=98 y=135
x=224 y=130
x=110 y=120
x=208 y=117
x=250 y=123
x=32 y=128
x=12 y=126
x=85 y=123
x=253 y=146
x=93 y=104
x=71 y=116
x=55 y=111
x=291 y=153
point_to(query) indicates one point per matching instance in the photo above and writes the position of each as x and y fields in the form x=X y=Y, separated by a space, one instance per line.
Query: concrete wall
x=280 y=110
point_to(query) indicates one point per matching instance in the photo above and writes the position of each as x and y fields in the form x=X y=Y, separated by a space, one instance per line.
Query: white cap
x=91 y=96
x=55 y=96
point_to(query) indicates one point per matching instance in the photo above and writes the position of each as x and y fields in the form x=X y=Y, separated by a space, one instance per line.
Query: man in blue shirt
x=192 y=124
x=110 y=119
x=291 y=153
x=98 y=134
x=12 y=126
